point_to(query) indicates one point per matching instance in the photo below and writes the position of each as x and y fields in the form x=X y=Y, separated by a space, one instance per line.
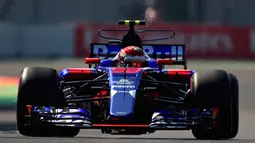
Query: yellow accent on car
x=127 y=22
x=137 y=22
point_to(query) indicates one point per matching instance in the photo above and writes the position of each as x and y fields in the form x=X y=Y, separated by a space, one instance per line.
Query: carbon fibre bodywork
x=116 y=95
x=124 y=86
x=160 y=120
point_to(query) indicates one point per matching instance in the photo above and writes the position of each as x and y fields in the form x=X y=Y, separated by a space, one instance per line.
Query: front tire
x=39 y=86
x=217 y=89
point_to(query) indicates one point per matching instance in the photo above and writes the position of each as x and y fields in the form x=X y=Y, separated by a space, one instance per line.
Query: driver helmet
x=134 y=53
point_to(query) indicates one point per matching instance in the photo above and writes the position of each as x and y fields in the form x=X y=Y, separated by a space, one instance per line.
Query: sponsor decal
x=123 y=81
x=100 y=49
x=123 y=86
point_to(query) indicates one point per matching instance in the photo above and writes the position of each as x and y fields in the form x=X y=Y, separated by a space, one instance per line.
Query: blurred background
x=49 y=28
x=56 y=33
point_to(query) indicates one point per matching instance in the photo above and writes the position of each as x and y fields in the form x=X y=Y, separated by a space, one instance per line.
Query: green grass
x=8 y=95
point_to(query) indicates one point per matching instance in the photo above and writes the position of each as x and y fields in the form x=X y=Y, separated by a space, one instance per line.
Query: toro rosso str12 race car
x=126 y=99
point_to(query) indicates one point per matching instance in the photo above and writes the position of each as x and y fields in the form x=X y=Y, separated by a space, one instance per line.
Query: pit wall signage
x=202 y=41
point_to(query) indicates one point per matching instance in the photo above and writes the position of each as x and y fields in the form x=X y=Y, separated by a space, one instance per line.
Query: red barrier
x=202 y=41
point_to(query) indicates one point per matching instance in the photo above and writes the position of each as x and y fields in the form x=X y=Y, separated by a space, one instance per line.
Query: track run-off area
x=244 y=70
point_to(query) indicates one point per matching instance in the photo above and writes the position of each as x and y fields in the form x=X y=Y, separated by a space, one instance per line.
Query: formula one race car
x=126 y=93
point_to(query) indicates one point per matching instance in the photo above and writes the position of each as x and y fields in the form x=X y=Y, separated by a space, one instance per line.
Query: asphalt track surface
x=244 y=70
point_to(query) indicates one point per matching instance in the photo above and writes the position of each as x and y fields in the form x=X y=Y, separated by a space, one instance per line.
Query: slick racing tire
x=39 y=86
x=217 y=89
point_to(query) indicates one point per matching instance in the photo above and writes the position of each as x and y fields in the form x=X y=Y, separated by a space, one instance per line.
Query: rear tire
x=217 y=89
x=39 y=86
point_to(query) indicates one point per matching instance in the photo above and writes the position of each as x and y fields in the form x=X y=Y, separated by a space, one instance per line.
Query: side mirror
x=92 y=60
x=165 y=61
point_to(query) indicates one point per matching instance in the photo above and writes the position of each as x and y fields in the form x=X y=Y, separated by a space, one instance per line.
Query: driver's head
x=133 y=53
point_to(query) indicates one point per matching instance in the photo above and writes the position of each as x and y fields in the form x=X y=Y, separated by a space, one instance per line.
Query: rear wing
x=176 y=52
